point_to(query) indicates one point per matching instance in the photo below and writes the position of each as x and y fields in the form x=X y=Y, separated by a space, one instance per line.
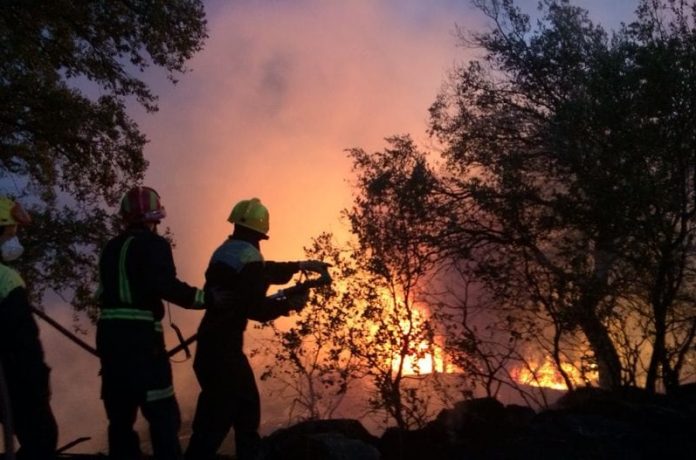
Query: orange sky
x=280 y=90
x=274 y=99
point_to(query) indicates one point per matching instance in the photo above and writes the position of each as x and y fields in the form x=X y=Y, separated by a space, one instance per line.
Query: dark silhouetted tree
x=373 y=325
x=67 y=154
x=393 y=330
x=570 y=154
x=308 y=360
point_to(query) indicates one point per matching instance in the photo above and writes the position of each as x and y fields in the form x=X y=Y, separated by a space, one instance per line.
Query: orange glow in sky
x=280 y=90
x=272 y=102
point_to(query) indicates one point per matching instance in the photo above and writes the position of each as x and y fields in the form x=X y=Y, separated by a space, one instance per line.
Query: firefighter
x=238 y=274
x=21 y=354
x=137 y=273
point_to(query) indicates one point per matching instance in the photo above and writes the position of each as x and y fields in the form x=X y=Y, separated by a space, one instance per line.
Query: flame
x=430 y=359
x=546 y=375
x=413 y=365
x=426 y=359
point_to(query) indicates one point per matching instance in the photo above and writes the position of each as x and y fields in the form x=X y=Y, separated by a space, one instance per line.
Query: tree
x=68 y=155
x=309 y=359
x=373 y=326
x=388 y=217
x=571 y=168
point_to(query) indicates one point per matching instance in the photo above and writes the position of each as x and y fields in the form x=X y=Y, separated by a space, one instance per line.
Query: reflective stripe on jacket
x=137 y=272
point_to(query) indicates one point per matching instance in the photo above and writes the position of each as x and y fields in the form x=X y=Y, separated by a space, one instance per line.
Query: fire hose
x=81 y=343
x=300 y=287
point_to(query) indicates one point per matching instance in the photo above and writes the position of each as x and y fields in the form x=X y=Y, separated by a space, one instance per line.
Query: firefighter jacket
x=137 y=272
x=238 y=270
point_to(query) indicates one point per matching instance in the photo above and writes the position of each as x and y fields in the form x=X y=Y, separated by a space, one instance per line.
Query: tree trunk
x=658 y=352
x=608 y=363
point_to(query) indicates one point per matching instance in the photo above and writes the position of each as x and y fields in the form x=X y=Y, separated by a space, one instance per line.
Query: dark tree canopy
x=573 y=153
x=566 y=196
x=68 y=155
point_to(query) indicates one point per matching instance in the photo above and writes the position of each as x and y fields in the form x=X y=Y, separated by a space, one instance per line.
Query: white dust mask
x=11 y=249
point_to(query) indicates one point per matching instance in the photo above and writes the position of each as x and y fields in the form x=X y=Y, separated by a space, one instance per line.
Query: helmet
x=142 y=204
x=12 y=213
x=251 y=214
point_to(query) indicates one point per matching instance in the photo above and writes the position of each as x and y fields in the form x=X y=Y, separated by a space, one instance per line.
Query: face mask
x=11 y=249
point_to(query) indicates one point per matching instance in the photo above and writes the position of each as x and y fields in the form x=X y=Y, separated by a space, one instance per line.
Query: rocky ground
x=585 y=424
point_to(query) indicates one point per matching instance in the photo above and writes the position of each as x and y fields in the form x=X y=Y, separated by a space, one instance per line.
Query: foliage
x=308 y=355
x=66 y=154
x=388 y=216
x=371 y=324
x=559 y=226
x=570 y=153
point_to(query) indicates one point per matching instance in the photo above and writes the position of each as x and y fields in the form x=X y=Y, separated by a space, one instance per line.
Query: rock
x=584 y=424
x=471 y=429
x=321 y=440
x=518 y=417
x=430 y=442
x=623 y=424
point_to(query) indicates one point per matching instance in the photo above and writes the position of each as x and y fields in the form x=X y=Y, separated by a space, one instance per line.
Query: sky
x=281 y=89
x=279 y=92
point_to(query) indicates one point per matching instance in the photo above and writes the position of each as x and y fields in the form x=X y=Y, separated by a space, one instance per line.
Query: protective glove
x=316 y=266
x=298 y=300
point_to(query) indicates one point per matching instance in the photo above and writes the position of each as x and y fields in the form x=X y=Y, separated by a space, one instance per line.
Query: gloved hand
x=298 y=301
x=316 y=266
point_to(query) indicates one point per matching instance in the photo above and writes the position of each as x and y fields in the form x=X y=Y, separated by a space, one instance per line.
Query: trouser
x=229 y=399
x=164 y=421
x=27 y=379
x=34 y=424
x=136 y=374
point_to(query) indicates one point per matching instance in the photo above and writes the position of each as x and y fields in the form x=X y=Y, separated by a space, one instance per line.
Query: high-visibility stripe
x=131 y=314
x=127 y=313
x=162 y=393
x=9 y=281
x=199 y=299
x=124 y=285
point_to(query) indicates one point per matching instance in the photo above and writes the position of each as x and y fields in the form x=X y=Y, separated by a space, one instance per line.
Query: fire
x=428 y=357
x=546 y=375
x=413 y=365
x=429 y=360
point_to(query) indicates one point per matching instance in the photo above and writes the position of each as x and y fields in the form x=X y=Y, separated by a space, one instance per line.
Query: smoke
x=277 y=95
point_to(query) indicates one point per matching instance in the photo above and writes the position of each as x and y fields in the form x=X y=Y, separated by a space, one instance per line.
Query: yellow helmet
x=251 y=214
x=12 y=213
